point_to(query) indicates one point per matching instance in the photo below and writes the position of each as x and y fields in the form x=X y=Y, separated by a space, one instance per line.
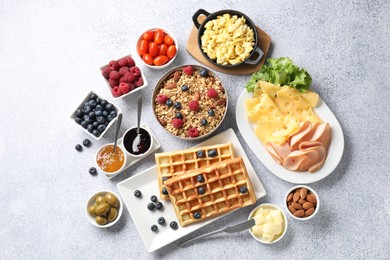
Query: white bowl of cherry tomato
x=157 y=48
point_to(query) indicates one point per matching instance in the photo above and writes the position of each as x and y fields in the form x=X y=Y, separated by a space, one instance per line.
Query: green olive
x=102 y=209
x=92 y=210
x=112 y=214
x=111 y=199
x=99 y=200
x=101 y=220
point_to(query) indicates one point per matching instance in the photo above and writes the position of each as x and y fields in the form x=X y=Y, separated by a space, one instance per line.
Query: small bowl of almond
x=302 y=202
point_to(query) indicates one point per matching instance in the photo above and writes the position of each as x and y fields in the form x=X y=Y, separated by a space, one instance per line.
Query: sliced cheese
x=276 y=129
x=250 y=103
x=265 y=108
x=310 y=97
x=269 y=88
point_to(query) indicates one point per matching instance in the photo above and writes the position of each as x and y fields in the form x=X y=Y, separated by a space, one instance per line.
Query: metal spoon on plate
x=118 y=126
x=137 y=140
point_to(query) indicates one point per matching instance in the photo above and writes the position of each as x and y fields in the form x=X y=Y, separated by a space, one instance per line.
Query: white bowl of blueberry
x=95 y=115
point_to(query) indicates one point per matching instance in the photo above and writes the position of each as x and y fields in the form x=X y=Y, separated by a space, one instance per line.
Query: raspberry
x=114 y=65
x=116 y=92
x=122 y=79
x=161 y=99
x=188 y=70
x=212 y=93
x=130 y=62
x=139 y=82
x=177 y=122
x=112 y=83
x=136 y=71
x=106 y=72
x=193 y=132
x=123 y=62
x=131 y=86
x=124 y=88
x=193 y=105
x=115 y=75
x=128 y=77
x=123 y=70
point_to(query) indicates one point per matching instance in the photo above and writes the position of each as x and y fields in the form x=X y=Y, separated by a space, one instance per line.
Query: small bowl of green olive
x=104 y=209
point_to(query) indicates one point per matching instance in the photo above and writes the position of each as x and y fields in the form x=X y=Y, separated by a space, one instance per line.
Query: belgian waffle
x=174 y=163
x=226 y=186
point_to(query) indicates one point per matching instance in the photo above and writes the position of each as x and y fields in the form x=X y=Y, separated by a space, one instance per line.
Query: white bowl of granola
x=189 y=102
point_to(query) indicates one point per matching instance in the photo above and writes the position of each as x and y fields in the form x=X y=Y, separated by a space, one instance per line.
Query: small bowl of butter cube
x=271 y=223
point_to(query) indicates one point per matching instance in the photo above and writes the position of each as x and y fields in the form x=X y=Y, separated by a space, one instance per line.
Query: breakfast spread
x=269 y=224
x=171 y=164
x=109 y=160
x=301 y=202
x=228 y=39
x=209 y=191
x=190 y=102
x=105 y=208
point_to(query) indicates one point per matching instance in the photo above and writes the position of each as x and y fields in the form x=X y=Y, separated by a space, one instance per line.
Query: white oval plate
x=335 y=151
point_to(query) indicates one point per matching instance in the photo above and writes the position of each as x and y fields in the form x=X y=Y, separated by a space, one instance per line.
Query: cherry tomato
x=149 y=36
x=159 y=36
x=171 y=52
x=168 y=40
x=160 y=60
x=162 y=49
x=143 y=47
x=148 y=59
x=153 y=49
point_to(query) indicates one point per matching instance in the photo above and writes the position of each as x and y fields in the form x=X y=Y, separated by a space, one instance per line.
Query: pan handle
x=257 y=60
x=196 y=16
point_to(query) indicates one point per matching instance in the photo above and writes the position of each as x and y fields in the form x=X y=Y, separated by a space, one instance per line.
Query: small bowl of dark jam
x=136 y=144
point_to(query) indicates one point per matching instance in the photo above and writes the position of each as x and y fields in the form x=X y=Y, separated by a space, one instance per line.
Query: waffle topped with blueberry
x=210 y=191
x=171 y=164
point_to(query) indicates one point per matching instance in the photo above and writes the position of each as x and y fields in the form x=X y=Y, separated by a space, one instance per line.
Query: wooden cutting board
x=264 y=42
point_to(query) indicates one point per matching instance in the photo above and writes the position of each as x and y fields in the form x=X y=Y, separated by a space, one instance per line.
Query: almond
x=171 y=86
x=221 y=88
x=220 y=102
x=301 y=201
x=312 y=198
x=289 y=197
x=309 y=212
x=308 y=205
x=296 y=197
x=162 y=122
x=212 y=79
x=292 y=209
x=303 y=193
x=299 y=213
x=296 y=205
x=196 y=95
x=176 y=76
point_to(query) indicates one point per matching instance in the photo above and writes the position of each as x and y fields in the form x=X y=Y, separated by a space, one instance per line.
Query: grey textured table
x=50 y=52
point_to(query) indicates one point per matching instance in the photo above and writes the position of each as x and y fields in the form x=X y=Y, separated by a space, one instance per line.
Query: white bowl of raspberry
x=123 y=77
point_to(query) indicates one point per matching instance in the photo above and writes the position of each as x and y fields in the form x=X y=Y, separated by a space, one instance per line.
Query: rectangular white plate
x=146 y=182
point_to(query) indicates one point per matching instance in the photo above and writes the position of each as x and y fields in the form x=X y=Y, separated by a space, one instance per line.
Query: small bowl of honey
x=109 y=161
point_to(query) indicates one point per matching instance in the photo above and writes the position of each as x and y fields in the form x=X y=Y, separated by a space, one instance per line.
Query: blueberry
x=109 y=118
x=184 y=88
x=101 y=128
x=78 y=147
x=200 y=154
x=85 y=116
x=173 y=225
x=78 y=120
x=153 y=198
x=164 y=179
x=212 y=153
x=106 y=123
x=92 y=171
x=179 y=115
x=97 y=100
x=113 y=114
x=177 y=105
x=109 y=107
x=164 y=191
x=168 y=103
x=95 y=124
x=87 y=109
x=203 y=122
x=86 y=142
x=91 y=114
x=137 y=193
x=79 y=113
x=243 y=189
x=201 y=190
x=197 y=215
x=90 y=128
x=96 y=133
x=93 y=96
x=99 y=108
x=161 y=220
x=103 y=102
x=105 y=114
x=154 y=228
x=98 y=113
x=211 y=112
x=88 y=120
x=84 y=124
x=92 y=103
x=151 y=206
x=159 y=205
x=204 y=73
x=200 y=178
x=100 y=120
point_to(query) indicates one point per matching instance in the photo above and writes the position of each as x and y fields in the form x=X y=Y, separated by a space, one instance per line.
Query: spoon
x=118 y=125
x=137 y=139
